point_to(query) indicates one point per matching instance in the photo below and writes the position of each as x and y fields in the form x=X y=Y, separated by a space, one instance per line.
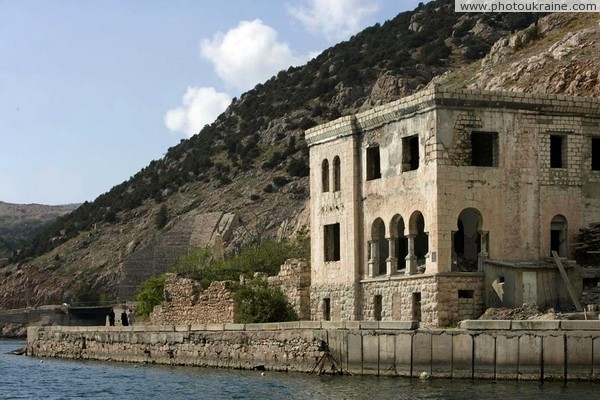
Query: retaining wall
x=528 y=350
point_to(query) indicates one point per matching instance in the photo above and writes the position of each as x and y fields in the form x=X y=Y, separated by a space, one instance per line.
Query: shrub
x=280 y=181
x=254 y=197
x=192 y=263
x=162 y=217
x=259 y=303
x=150 y=294
x=298 y=167
x=269 y=188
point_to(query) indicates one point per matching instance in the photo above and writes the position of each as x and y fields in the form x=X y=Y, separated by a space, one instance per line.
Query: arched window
x=467 y=239
x=401 y=248
x=337 y=178
x=558 y=235
x=417 y=228
x=381 y=244
x=325 y=176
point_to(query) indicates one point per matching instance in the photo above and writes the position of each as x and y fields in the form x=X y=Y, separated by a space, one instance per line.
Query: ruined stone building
x=437 y=205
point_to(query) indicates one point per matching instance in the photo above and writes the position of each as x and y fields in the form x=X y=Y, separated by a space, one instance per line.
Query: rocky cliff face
x=558 y=56
x=250 y=161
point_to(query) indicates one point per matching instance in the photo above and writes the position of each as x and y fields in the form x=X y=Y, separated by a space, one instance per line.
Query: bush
x=298 y=167
x=259 y=303
x=192 y=263
x=162 y=217
x=264 y=257
x=150 y=294
x=280 y=181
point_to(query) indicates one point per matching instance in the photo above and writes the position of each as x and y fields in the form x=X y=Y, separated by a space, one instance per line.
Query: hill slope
x=252 y=160
x=19 y=223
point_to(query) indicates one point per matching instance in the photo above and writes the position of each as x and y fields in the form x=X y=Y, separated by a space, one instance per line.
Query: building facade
x=412 y=202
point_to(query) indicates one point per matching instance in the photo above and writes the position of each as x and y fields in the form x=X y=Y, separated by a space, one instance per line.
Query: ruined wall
x=293 y=280
x=186 y=303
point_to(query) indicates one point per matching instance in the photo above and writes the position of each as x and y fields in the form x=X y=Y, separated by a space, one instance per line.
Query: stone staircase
x=181 y=235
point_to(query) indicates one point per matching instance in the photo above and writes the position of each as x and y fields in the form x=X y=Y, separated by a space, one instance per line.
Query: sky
x=92 y=91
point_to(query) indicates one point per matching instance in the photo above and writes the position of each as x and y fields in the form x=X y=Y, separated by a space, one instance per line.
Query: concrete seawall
x=528 y=350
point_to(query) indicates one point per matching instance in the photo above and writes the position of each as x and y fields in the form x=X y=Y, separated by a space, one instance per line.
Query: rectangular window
x=596 y=154
x=377 y=306
x=326 y=309
x=465 y=294
x=373 y=163
x=410 y=153
x=558 y=151
x=416 y=306
x=484 y=149
x=332 y=242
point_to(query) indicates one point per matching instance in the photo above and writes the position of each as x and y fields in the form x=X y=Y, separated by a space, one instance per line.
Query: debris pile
x=526 y=311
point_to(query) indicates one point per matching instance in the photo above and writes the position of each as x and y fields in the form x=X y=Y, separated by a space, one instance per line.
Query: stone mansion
x=440 y=204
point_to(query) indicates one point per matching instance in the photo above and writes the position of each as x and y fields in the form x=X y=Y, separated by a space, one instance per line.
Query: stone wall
x=530 y=350
x=186 y=303
x=433 y=300
x=293 y=280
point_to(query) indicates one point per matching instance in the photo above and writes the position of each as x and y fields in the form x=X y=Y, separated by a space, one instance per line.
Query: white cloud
x=336 y=19
x=248 y=54
x=201 y=105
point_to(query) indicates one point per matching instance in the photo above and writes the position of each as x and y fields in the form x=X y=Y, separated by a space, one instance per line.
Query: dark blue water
x=32 y=378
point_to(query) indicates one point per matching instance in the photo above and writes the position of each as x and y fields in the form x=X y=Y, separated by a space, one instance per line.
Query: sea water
x=24 y=377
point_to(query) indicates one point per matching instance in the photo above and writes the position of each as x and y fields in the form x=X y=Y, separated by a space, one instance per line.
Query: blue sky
x=92 y=91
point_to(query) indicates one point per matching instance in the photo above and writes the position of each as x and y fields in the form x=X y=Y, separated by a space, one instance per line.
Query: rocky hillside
x=252 y=160
x=19 y=223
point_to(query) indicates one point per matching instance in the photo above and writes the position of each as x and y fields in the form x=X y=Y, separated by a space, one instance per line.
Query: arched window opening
x=421 y=240
x=467 y=240
x=337 y=179
x=325 y=176
x=558 y=235
x=401 y=248
x=379 y=248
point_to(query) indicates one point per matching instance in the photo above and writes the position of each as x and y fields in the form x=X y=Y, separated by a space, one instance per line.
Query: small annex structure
x=437 y=205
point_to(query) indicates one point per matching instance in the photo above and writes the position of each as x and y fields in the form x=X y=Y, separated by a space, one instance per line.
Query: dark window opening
x=377 y=305
x=557 y=151
x=416 y=306
x=596 y=154
x=332 y=242
x=590 y=283
x=500 y=279
x=373 y=163
x=484 y=149
x=410 y=153
x=326 y=309
x=337 y=184
x=465 y=294
x=325 y=176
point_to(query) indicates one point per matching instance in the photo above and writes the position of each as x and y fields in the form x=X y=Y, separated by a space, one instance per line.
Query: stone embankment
x=527 y=350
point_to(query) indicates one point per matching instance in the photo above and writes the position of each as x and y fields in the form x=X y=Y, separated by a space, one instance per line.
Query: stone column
x=411 y=259
x=391 y=263
x=374 y=260
x=483 y=254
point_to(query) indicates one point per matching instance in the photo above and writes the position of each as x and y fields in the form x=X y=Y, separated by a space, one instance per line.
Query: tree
x=150 y=294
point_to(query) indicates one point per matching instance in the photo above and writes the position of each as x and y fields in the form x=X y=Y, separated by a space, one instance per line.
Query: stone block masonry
x=186 y=303
x=486 y=350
